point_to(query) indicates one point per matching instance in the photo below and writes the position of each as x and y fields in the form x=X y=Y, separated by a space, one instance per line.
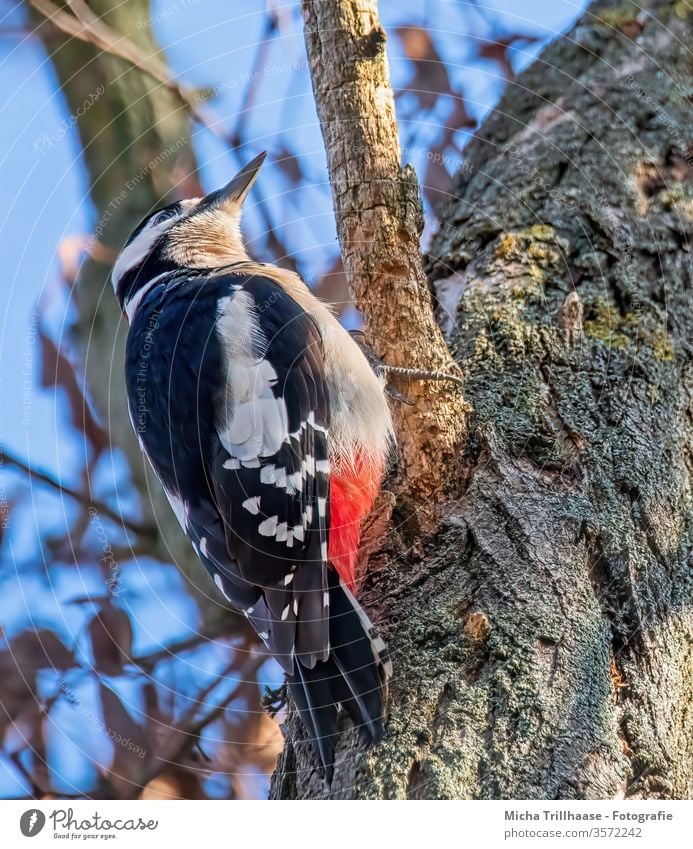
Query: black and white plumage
x=244 y=392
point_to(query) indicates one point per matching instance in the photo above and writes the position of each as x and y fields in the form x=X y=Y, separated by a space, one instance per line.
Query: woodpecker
x=269 y=432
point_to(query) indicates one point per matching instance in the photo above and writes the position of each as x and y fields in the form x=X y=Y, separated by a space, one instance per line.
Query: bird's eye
x=163 y=215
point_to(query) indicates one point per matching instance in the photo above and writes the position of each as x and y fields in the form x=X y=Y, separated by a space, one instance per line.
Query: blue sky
x=208 y=43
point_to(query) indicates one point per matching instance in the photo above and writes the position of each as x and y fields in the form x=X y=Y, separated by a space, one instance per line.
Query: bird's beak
x=232 y=195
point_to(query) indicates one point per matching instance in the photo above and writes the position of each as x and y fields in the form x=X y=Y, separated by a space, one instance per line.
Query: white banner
x=360 y=825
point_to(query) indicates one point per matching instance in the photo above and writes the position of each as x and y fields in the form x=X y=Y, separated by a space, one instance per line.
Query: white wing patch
x=252 y=505
x=268 y=527
x=255 y=422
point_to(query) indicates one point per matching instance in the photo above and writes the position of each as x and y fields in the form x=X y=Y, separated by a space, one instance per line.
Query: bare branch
x=190 y=726
x=86 y=26
x=379 y=222
x=270 y=30
x=81 y=497
x=172 y=650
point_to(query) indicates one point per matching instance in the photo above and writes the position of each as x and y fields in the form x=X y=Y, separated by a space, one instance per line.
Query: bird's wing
x=269 y=473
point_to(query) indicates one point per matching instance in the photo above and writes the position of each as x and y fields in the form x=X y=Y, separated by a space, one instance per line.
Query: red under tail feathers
x=353 y=490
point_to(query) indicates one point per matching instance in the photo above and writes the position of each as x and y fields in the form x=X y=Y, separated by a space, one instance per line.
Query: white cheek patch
x=139 y=248
x=134 y=302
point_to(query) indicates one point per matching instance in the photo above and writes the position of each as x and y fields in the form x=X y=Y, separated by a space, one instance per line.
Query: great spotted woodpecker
x=269 y=432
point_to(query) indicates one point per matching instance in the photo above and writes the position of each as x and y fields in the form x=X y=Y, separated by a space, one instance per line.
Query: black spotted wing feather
x=275 y=507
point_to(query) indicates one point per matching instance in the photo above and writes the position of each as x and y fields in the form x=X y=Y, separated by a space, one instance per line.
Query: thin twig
x=189 y=728
x=36 y=791
x=270 y=29
x=148 y=661
x=187 y=722
x=251 y=666
x=86 y=26
x=81 y=497
x=418 y=374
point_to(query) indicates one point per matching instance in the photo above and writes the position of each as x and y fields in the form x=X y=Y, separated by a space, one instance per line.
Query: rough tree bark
x=542 y=637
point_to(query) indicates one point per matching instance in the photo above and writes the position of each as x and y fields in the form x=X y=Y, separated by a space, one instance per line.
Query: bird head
x=195 y=233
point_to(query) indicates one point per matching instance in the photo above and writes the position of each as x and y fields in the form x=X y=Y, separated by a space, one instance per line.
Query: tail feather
x=310 y=689
x=358 y=660
x=354 y=677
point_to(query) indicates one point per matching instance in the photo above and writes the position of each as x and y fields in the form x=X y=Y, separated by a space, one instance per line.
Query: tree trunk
x=542 y=637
